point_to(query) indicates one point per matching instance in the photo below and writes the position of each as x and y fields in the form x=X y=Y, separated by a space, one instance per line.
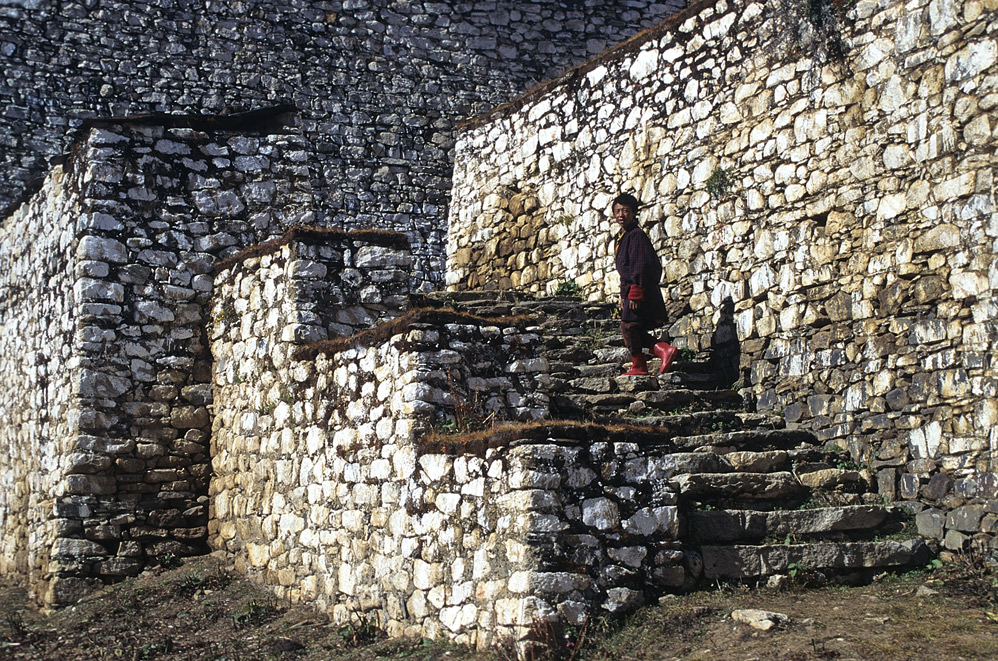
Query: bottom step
x=751 y=562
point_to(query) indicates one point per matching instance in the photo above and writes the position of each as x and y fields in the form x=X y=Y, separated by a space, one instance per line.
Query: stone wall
x=39 y=410
x=107 y=279
x=335 y=482
x=379 y=83
x=828 y=221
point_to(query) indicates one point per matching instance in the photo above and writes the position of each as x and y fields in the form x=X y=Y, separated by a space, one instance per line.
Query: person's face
x=623 y=214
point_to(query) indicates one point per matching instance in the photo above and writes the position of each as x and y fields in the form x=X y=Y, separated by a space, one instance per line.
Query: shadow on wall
x=725 y=352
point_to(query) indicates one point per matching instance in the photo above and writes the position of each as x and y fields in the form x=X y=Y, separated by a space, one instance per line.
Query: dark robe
x=638 y=264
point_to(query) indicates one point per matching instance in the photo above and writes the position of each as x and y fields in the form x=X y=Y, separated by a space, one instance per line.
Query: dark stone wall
x=379 y=83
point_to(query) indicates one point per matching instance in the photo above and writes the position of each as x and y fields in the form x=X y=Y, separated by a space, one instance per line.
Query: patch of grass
x=724 y=425
x=595 y=336
x=194 y=583
x=170 y=561
x=567 y=288
x=361 y=632
x=254 y=613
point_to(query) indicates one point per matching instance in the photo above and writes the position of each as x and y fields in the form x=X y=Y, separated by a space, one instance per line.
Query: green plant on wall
x=567 y=288
x=810 y=29
x=718 y=183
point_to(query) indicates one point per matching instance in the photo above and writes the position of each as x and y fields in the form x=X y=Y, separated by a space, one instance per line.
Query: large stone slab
x=726 y=526
x=735 y=562
x=748 y=486
x=752 y=439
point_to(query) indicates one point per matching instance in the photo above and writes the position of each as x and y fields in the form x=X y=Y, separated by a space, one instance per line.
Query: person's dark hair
x=627 y=200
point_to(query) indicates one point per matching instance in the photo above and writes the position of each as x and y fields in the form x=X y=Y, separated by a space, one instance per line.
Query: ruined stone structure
x=196 y=355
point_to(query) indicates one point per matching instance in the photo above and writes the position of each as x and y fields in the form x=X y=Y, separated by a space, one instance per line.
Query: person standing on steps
x=642 y=307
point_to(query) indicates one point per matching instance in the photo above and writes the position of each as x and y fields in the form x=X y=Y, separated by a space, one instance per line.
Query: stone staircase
x=758 y=500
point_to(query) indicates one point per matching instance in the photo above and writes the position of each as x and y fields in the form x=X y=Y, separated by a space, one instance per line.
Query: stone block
x=965 y=519
x=930 y=523
x=938 y=486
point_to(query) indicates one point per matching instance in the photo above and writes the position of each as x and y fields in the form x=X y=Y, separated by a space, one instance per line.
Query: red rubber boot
x=639 y=366
x=666 y=352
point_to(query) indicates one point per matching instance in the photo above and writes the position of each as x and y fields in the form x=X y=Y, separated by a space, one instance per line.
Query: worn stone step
x=633 y=407
x=572 y=356
x=753 y=562
x=772 y=461
x=672 y=397
x=651 y=392
x=471 y=295
x=674 y=464
x=609 y=370
x=749 y=526
x=740 y=487
x=617 y=355
x=751 y=439
x=702 y=424
x=835 y=479
x=680 y=373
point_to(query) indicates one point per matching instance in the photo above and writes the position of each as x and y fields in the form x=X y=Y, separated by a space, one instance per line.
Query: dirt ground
x=201 y=611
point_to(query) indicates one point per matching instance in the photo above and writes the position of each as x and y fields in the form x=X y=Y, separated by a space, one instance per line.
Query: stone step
x=737 y=487
x=676 y=429
x=749 y=439
x=653 y=407
x=737 y=562
x=676 y=464
x=575 y=361
x=749 y=526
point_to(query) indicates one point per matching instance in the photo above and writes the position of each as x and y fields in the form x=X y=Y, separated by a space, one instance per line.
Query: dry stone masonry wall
x=320 y=488
x=38 y=361
x=379 y=83
x=107 y=279
x=831 y=220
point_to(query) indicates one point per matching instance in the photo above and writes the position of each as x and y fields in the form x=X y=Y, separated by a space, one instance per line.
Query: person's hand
x=633 y=305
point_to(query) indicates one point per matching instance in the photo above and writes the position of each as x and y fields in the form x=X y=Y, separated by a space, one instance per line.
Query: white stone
x=600 y=513
x=967 y=284
x=896 y=156
x=976 y=58
x=631 y=556
x=943 y=14
x=644 y=65
x=891 y=206
x=649 y=521
x=101 y=249
x=435 y=466
x=306 y=268
x=924 y=441
x=759 y=619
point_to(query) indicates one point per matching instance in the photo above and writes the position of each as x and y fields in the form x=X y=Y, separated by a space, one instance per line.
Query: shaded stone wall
x=39 y=406
x=109 y=385
x=379 y=83
x=827 y=228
